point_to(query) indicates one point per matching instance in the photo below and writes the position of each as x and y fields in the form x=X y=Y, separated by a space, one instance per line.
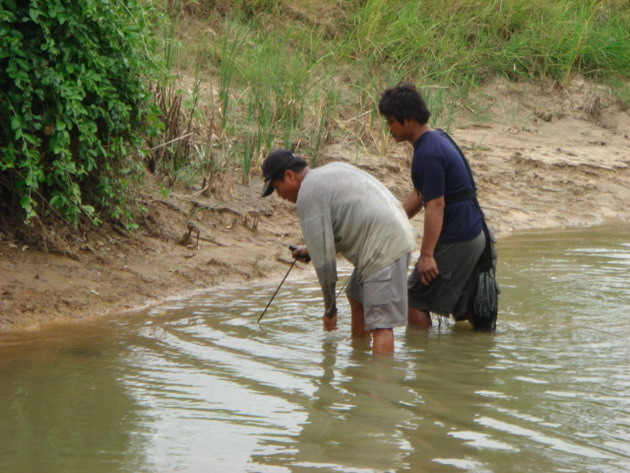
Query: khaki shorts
x=383 y=295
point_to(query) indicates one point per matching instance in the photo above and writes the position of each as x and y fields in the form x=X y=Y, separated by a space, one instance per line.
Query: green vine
x=74 y=105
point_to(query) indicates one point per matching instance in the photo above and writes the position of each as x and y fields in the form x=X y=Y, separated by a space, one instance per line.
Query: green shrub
x=74 y=105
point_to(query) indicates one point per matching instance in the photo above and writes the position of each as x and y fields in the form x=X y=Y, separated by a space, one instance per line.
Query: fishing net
x=484 y=300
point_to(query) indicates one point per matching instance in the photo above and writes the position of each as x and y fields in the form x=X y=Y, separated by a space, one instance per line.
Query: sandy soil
x=541 y=158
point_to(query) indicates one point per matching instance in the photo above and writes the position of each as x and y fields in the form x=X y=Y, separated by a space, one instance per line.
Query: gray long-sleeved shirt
x=345 y=210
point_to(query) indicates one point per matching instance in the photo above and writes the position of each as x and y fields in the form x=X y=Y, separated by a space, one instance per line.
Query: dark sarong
x=447 y=293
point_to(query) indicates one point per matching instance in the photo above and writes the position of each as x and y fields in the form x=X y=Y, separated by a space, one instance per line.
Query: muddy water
x=198 y=386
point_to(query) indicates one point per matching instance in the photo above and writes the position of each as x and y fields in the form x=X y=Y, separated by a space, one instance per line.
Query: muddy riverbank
x=541 y=158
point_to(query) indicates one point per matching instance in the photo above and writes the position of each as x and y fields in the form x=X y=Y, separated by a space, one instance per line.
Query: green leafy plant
x=74 y=105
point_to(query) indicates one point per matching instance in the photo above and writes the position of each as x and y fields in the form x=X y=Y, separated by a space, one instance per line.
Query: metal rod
x=274 y=294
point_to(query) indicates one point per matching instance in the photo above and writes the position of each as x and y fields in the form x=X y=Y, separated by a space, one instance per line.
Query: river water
x=198 y=386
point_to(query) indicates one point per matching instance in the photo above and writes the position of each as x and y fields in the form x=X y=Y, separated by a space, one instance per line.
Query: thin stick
x=274 y=294
x=171 y=141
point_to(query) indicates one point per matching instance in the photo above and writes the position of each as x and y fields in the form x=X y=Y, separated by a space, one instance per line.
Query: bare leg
x=358 y=321
x=419 y=318
x=382 y=341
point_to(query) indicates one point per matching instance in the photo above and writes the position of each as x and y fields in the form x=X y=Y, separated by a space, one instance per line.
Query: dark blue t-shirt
x=438 y=170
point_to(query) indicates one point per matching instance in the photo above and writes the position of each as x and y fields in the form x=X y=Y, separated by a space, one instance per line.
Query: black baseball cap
x=276 y=162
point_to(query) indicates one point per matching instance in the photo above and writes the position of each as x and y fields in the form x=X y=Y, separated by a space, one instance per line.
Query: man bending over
x=345 y=210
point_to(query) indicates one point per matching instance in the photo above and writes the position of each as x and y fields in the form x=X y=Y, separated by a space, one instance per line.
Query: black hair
x=404 y=101
x=296 y=166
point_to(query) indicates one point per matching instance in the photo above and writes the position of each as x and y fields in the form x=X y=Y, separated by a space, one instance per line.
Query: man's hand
x=427 y=269
x=300 y=253
x=330 y=323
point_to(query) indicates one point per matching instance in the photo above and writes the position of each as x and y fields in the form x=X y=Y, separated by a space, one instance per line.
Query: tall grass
x=325 y=114
x=279 y=83
x=297 y=74
x=231 y=45
x=276 y=90
x=453 y=42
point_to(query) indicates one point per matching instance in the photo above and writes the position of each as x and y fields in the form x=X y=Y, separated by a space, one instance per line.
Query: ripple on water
x=199 y=386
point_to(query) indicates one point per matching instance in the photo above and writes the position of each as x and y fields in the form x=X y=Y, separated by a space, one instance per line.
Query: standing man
x=452 y=239
x=345 y=210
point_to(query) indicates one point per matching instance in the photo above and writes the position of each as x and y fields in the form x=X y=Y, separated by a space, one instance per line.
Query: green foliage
x=274 y=83
x=74 y=105
x=230 y=49
x=294 y=73
x=469 y=39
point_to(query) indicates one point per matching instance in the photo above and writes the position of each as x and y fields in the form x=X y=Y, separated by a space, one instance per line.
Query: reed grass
x=455 y=41
x=296 y=75
x=231 y=45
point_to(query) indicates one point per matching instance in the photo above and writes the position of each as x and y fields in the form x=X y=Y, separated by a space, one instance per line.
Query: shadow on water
x=198 y=386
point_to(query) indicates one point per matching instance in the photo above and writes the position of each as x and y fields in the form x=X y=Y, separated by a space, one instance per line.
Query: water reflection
x=198 y=386
x=356 y=416
x=63 y=407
